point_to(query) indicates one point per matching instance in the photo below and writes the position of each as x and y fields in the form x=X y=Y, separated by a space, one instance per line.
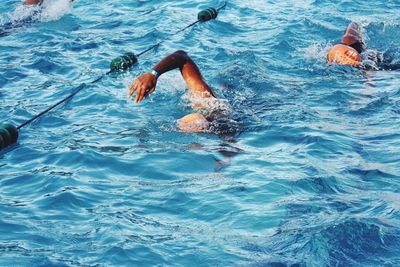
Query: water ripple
x=304 y=171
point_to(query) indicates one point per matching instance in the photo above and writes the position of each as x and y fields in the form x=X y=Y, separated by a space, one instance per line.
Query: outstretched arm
x=145 y=84
x=352 y=37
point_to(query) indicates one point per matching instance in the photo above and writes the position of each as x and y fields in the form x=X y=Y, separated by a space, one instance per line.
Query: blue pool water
x=308 y=176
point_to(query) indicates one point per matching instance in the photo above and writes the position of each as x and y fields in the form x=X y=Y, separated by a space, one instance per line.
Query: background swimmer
x=349 y=51
x=201 y=94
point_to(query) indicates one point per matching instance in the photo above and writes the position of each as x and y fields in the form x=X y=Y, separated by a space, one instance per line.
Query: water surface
x=310 y=177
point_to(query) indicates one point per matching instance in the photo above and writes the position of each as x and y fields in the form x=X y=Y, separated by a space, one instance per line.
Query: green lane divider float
x=8 y=135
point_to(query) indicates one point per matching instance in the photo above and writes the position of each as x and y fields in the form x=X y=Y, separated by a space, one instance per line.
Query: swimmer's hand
x=144 y=85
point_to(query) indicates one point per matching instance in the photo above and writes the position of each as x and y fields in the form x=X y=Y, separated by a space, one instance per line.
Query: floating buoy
x=1 y=142
x=207 y=14
x=5 y=135
x=8 y=135
x=123 y=62
x=12 y=130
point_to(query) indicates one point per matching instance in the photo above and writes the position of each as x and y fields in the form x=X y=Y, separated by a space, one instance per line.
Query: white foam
x=50 y=10
x=316 y=51
x=207 y=105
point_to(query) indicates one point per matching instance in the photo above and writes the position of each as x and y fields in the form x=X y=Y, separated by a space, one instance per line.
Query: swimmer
x=145 y=84
x=352 y=51
x=348 y=52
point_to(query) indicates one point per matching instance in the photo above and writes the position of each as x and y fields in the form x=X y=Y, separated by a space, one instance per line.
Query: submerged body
x=352 y=51
x=29 y=12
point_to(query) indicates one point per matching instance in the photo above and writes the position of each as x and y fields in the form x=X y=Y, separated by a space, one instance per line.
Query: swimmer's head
x=344 y=55
x=193 y=123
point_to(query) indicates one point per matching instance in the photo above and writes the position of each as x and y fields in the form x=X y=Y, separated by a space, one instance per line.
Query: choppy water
x=310 y=178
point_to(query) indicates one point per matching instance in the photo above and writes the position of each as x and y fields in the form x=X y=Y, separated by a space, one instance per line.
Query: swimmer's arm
x=146 y=83
x=192 y=76
x=352 y=35
x=32 y=2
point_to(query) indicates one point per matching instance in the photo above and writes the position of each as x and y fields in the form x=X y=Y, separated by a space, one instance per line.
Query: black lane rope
x=9 y=133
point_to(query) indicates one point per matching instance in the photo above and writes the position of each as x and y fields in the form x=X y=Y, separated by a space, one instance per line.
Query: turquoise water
x=308 y=176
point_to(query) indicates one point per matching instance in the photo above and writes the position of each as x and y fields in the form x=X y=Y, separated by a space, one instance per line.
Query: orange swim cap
x=193 y=123
x=344 y=55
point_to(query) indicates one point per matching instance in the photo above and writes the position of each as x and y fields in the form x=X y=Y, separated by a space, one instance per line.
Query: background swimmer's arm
x=32 y=2
x=352 y=35
x=146 y=83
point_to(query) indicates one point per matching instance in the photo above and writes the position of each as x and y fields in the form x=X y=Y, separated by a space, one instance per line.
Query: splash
x=48 y=11
x=206 y=105
x=53 y=10
x=316 y=52
x=24 y=13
